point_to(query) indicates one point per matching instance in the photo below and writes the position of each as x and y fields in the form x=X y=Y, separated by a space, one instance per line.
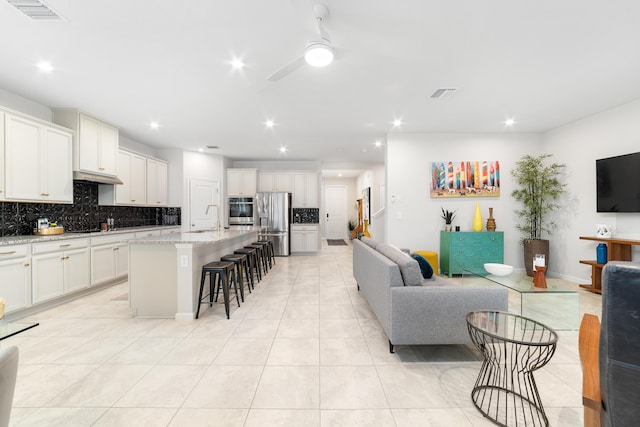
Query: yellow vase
x=477 y=219
x=366 y=228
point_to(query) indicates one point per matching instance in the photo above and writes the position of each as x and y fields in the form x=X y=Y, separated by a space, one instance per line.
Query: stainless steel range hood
x=94 y=177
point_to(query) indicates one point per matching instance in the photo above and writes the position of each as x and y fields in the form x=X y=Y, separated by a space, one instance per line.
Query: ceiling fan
x=318 y=53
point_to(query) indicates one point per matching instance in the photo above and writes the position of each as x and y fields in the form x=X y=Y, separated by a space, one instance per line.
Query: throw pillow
x=409 y=268
x=425 y=267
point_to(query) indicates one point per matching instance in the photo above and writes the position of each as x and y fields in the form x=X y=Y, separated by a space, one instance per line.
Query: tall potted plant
x=540 y=185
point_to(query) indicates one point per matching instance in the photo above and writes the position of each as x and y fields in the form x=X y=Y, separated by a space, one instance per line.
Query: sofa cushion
x=425 y=267
x=369 y=241
x=409 y=268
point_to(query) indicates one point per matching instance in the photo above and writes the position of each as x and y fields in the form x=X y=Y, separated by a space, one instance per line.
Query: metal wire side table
x=513 y=347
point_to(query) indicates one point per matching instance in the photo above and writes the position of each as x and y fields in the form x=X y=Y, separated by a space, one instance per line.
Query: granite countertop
x=18 y=240
x=194 y=237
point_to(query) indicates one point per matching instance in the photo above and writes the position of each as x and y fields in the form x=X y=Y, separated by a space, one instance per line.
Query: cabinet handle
x=27 y=265
x=65 y=245
x=101 y=169
x=7 y=253
x=44 y=194
x=116 y=249
x=133 y=200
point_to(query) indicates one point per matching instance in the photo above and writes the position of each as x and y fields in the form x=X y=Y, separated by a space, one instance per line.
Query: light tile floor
x=303 y=350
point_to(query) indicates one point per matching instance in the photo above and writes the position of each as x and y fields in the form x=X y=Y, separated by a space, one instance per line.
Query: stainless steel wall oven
x=241 y=211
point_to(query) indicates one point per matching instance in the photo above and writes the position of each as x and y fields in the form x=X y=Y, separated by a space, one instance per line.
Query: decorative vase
x=491 y=222
x=477 y=219
x=447 y=227
x=366 y=228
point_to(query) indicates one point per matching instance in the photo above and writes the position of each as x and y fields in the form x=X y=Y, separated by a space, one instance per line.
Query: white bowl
x=498 y=269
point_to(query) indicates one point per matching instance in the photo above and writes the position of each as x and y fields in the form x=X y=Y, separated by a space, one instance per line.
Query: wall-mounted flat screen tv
x=618 y=183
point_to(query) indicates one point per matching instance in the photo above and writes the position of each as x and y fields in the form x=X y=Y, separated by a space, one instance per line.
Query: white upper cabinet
x=95 y=144
x=275 y=181
x=38 y=161
x=157 y=189
x=305 y=190
x=2 y=194
x=132 y=171
x=241 y=182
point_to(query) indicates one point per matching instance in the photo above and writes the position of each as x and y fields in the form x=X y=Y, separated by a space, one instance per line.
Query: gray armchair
x=614 y=401
x=8 y=373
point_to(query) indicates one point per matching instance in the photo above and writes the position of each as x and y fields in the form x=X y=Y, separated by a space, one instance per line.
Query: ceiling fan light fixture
x=318 y=54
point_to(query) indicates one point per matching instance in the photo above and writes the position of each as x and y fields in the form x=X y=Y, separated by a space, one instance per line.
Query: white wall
x=278 y=165
x=578 y=145
x=130 y=144
x=24 y=105
x=413 y=219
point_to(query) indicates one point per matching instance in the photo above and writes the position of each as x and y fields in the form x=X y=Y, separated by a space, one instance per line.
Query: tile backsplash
x=306 y=215
x=84 y=214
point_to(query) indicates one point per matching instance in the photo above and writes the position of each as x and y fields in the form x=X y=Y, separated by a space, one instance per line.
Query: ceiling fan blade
x=287 y=69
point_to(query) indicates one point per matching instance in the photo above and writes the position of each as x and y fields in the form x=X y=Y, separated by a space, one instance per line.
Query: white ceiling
x=545 y=63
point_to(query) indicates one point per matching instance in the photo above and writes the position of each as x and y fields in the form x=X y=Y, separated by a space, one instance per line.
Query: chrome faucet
x=217 y=226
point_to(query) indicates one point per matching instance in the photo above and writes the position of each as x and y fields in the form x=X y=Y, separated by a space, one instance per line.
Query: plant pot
x=531 y=248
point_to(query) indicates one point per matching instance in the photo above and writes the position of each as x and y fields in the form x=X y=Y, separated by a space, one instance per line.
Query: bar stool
x=220 y=273
x=252 y=256
x=240 y=261
x=272 y=251
x=266 y=256
x=259 y=255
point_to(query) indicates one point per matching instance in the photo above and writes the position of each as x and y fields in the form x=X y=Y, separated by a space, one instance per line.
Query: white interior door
x=204 y=194
x=336 y=220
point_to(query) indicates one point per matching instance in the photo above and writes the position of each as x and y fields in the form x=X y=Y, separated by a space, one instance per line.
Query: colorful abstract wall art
x=465 y=179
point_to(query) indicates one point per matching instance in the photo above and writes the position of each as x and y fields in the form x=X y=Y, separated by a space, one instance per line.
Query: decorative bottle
x=477 y=219
x=601 y=253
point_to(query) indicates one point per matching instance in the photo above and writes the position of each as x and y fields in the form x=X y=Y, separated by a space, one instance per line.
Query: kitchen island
x=164 y=271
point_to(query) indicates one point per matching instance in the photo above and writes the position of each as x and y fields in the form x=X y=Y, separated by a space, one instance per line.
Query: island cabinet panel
x=464 y=250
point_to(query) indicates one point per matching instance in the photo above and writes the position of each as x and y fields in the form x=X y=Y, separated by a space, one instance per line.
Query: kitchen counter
x=194 y=237
x=164 y=271
x=18 y=240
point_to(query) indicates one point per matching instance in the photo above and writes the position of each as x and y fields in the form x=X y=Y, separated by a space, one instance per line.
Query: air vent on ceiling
x=36 y=10
x=213 y=147
x=443 y=93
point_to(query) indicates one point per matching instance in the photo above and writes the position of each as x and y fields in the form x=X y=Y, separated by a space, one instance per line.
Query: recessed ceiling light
x=397 y=123
x=509 y=122
x=45 y=66
x=378 y=143
x=339 y=175
x=237 y=64
x=283 y=149
x=201 y=149
x=269 y=124
x=154 y=125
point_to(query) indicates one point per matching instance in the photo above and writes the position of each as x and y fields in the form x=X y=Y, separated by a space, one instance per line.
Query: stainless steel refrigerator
x=274 y=217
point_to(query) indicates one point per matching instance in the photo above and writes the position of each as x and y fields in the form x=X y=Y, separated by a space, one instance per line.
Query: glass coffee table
x=556 y=306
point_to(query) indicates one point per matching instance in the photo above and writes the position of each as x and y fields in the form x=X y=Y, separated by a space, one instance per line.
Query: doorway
x=335 y=197
x=204 y=204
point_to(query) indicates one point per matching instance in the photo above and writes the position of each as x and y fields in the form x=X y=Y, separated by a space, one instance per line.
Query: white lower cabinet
x=109 y=258
x=15 y=276
x=304 y=238
x=59 y=267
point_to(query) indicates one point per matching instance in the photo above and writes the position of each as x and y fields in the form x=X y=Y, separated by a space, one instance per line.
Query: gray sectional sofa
x=413 y=310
